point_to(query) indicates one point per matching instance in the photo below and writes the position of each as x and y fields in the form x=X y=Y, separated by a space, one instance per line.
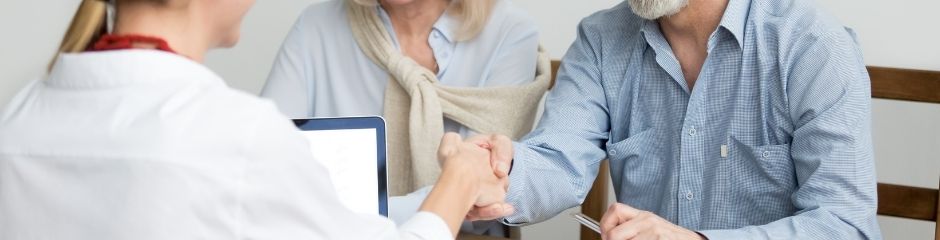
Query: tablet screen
x=350 y=156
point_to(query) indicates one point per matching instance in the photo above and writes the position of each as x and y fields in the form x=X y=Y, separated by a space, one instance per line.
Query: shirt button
x=436 y=35
x=765 y=154
x=692 y=131
x=689 y=195
x=612 y=152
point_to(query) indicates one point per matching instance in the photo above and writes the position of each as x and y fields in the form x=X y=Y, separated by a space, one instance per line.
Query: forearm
x=452 y=197
x=815 y=224
x=565 y=177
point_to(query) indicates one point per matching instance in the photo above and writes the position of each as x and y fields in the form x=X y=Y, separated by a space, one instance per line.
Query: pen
x=587 y=221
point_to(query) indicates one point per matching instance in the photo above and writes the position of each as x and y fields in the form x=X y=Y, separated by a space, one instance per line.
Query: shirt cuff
x=426 y=225
x=402 y=208
x=517 y=192
x=722 y=234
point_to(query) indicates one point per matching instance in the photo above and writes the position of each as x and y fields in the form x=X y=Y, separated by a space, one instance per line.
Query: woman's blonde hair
x=88 y=24
x=473 y=15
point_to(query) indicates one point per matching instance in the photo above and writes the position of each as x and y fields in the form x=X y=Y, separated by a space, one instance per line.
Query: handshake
x=474 y=179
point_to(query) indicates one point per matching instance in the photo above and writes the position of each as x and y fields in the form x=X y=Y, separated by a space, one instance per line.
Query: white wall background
x=900 y=33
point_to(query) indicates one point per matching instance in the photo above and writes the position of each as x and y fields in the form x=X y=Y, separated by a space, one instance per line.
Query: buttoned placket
x=441 y=49
x=692 y=143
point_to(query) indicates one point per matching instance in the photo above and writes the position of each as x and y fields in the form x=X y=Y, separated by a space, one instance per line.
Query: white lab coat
x=142 y=144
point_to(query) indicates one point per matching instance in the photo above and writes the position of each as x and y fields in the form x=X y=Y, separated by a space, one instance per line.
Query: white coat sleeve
x=286 y=194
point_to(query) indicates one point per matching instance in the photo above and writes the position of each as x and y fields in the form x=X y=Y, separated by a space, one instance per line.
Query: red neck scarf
x=121 y=42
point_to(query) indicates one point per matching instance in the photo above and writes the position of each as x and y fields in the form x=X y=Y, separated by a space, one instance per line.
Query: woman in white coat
x=136 y=139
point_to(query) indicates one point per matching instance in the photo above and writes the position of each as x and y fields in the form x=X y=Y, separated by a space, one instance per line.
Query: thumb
x=501 y=155
x=449 y=143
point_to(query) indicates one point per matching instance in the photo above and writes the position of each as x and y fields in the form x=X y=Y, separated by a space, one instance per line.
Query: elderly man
x=725 y=119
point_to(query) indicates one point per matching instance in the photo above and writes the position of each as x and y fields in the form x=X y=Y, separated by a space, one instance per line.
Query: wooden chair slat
x=907 y=202
x=905 y=84
x=595 y=203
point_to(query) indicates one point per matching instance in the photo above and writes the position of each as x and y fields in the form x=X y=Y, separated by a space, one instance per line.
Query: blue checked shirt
x=773 y=141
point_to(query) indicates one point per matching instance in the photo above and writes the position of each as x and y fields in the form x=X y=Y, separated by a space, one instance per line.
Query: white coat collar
x=124 y=67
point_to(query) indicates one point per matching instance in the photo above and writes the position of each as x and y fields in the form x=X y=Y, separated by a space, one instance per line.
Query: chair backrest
x=917 y=86
x=893 y=200
x=907 y=202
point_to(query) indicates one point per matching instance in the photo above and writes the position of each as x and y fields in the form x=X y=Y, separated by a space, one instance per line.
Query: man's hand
x=624 y=222
x=500 y=158
x=474 y=157
x=500 y=147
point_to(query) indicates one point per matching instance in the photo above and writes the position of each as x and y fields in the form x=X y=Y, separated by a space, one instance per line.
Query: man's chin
x=655 y=9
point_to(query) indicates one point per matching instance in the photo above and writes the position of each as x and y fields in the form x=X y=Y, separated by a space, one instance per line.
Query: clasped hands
x=490 y=157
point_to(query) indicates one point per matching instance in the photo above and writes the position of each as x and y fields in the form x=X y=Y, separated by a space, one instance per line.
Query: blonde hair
x=473 y=15
x=87 y=25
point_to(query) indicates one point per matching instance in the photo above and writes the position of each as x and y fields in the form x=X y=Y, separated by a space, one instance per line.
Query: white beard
x=654 y=9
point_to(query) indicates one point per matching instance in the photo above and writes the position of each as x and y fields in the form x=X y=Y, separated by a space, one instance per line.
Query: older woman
x=427 y=66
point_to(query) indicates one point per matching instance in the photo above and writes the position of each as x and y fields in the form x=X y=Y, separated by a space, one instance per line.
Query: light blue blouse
x=321 y=72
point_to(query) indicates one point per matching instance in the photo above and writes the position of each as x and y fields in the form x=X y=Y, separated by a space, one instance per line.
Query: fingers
x=480 y=140
x=501 y=151
x=501 y=154
x=495 y=194
x=637 y=227
x=490 y=212
x=616 y=214
x=627 y=230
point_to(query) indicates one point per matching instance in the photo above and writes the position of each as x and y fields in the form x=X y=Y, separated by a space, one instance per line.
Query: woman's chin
x=229 y=43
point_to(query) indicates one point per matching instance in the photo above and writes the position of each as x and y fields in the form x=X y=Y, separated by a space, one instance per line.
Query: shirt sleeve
x=830 y=105
x=567 y=143
x=289 y=83
x=287 y=194
x=425 y=225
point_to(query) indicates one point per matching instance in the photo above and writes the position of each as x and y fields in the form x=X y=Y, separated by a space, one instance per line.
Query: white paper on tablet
x=349 y=155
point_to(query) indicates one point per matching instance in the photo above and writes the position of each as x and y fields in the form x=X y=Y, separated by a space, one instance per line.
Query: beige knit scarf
x=415 y=105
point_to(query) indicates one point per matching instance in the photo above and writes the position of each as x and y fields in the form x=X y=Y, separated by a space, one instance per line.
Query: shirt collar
x=123 y=67
x=735 y=19
x=445 y=25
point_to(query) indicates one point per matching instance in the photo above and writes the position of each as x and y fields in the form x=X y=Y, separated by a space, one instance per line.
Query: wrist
x=452 y=196
x=460 y=178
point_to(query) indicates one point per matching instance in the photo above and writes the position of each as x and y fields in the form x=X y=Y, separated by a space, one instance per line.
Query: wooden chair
x=918 y=86
x=893 y=200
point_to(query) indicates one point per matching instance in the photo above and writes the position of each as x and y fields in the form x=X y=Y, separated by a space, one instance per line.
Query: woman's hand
x=473 y=157
x=467 y=180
